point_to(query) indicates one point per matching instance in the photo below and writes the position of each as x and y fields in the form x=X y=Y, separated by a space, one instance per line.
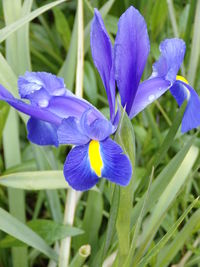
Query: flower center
x=96 y=162
x=182 y=79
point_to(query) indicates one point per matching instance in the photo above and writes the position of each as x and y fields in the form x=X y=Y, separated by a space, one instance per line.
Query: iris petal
x=85 y=164
x=99 y=129
x=77 y=170
x=102 y=54
x=148 y=92
x=31 y=82
x=172 y=54
x=116 y=165
x=33 y=111
x=42 y=133
x=70 y=132
x=131 y=51
x=65 y=106
x=191 y=118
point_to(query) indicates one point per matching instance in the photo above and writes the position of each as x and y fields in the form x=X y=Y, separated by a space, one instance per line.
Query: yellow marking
x=96 y=162
x=181 y=78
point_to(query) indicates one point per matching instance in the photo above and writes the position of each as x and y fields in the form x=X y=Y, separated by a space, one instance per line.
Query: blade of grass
x=195 y=49
x=6 y=31
x=12 y=226
x=163 y=179
x=71 y=200
x=138 y=226
x=192 y=226
x=37 y=180
x=156 y=249
x=165 y=201
x=12 y=12
x=126 y=139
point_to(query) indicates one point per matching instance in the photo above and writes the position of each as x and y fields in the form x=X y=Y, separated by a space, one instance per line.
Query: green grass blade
x=163 y=179
x=8 y=30
x=50 y=231
x=126 y=139
x=156 y=249
x=166 y=200
x=138 y=226
x=35 y=180
x=192 y=226
x=12 y=226
x=195 y=49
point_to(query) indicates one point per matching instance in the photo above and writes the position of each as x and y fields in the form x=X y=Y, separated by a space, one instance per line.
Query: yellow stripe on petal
x=96 y=162
x=181 y=78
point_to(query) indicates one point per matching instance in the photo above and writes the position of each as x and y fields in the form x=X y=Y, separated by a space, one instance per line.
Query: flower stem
x=72 y=196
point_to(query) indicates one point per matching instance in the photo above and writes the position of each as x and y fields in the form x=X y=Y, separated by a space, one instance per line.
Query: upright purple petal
x=77 y=170
x=172 y=54
x=148 y=92
x=102 y=54
x=33 y=111
x=42 y=133
x=191 y=118
x=131 y=51
x=70 y=132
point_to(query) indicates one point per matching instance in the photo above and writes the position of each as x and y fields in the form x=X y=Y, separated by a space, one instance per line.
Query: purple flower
x=125 y=63
x=59 y=117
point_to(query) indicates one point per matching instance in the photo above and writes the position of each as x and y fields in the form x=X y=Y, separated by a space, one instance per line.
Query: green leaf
x=90 y=84
x=12 y=226
x=163 y=179
x=62 y=27
x=192 y=226
x=4 y=109
x=6 y=31
x=91 y=221
x=158 y=17
x=126 y=139
x=36 y=180
x=157 y=248
x=50 y=231
x=165 y=200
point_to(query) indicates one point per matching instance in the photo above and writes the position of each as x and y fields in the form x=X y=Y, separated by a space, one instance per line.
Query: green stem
x=72 y=196
x=81 y=256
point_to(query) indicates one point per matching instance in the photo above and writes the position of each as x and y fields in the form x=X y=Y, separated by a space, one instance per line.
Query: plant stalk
x=72 y=195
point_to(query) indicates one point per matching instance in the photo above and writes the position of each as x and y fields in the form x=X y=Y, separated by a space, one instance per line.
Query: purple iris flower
x=125 y=63
x=59 y=117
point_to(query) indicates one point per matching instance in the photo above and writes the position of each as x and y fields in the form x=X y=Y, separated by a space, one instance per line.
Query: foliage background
x=161 y=226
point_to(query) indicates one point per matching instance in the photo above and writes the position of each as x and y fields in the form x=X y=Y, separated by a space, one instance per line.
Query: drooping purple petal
x=70 y=132
x=31 y=82
x=102 y=54
x=42 y=133
x=172 y=54
x=99 y=129
x=33 y=111
x=191 y=118
x=148 y=92
x=131 y=51
x=116 y=165
x=77 y=170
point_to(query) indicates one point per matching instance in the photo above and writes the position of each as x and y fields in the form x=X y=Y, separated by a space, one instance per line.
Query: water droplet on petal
x=59 y=92
x=43 y=103
x=151 y=98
